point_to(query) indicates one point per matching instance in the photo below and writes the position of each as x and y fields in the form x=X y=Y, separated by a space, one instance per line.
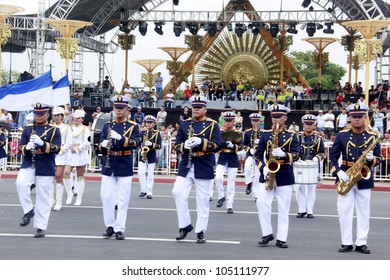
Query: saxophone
x=273 y=164
x=359 y=170
x=145 y=149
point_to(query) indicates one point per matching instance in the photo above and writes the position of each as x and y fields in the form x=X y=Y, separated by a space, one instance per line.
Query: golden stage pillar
x=367 y=49
x=149 y=65
x=5 y=29
x=66 y=45
x=126 y=41
x=320 y=44
x=173 y=67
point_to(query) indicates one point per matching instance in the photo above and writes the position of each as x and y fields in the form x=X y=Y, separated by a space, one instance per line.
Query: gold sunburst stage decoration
x=232 y=58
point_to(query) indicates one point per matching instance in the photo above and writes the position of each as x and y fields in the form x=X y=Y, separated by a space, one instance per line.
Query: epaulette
x=291 y=131
x=211 y=120
x=345 y=130
x=186 y=120
x=133 y=122
x=266 y=130
x=30 y=124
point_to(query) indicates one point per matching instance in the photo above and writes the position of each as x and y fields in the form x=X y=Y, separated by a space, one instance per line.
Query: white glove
x=115 y=135
x=195 y=141
x=229 y=144
x=29 y=146
x=148 y=143
x=252 y=151
x=36 y=140
x=370 y=156
x=278 y=153
x=343 y=177
x=315 y=159
x=257 y=141
x=265 y=172
x=188 y=144
x=104 y=143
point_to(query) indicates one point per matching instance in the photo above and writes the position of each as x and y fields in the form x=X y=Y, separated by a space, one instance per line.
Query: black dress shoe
x=109 y=232
x=230 y=211
x=345 y=248
x=142 y=194
x=119 y=236
x=32 y=187
x=27 y=217
x=149 y=197
x=281 y=244
x=40 y=233
x=183 y=232
x=310 y=216
x=265 y=240
x=221 y=201
x=362 y=249
x=301 y=215
x=200 y=237
x=248 y=188
x=210 y=199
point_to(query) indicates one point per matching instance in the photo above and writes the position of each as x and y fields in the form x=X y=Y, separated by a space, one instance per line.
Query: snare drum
x=305 y=172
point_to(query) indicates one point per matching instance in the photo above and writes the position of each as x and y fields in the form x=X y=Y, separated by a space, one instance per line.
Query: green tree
x=331 y=73
x=6 y=78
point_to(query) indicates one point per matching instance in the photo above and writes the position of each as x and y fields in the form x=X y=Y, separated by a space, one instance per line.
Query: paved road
x=74 y=233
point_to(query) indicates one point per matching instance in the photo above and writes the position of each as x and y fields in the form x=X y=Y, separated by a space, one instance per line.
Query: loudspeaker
x=96 y=100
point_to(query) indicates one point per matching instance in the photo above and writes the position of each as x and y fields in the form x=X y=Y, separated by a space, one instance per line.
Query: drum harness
x=307 y=155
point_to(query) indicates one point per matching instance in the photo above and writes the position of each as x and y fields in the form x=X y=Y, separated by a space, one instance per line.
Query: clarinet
x=190 y=134
x=108 y=165
x=33 y=150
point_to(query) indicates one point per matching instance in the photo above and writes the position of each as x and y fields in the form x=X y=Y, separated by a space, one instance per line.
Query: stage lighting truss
x=158 y=27
x=143 y=27
x=328 y=29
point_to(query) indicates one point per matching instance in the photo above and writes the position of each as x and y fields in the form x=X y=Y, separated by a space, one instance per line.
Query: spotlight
x=306 y=3
x=255 y=29
x=274 y=29
x=229 y=26
x=292 y=29
x=265 y=26
x=319 y=26
x=124 y=26
x=158 y=27
x=311 y=29
x=143 y=27
x=212 y=29
x=328 y=29
x=177 y=29
x=330 y=10
x=311 y=9
x=194 y=28
x=239 y=29
x=175 y=2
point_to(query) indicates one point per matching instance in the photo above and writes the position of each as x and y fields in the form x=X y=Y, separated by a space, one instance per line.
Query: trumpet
x=145 y=149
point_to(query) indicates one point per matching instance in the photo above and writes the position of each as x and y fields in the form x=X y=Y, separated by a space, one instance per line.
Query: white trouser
x=248 y=170
x=264 y=206
x=359 y=200
x=146 y=183
x=181 y=191
x=231 y=183
x=305 y=196
x=26 y=177
x=115 y=190
x=256 y=184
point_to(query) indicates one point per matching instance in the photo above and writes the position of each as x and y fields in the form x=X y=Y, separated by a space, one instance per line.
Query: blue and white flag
x=21 y=96
x=61 y=92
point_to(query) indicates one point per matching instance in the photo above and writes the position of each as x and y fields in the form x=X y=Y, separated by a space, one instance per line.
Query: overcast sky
x=147 y=46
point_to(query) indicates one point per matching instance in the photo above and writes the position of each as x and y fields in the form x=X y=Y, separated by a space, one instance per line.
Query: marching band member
x=78 y=156
x=39 y=144
x=62 y=157
x=353 y=144
x=3 y=137
x=282 y=149
x=251 y=139
x=150 y=141
x=311 y=148
x=117 y=140
x=228 y=161
x=197 y=140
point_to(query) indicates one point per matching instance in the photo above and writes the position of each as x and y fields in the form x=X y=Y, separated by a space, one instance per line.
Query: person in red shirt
x=187 y=93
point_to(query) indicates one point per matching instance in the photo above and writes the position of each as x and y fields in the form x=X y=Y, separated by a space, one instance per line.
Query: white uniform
x=80 y=135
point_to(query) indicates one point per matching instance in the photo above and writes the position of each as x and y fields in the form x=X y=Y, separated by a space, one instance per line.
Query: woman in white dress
x=78 y=154
x=62 y=157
